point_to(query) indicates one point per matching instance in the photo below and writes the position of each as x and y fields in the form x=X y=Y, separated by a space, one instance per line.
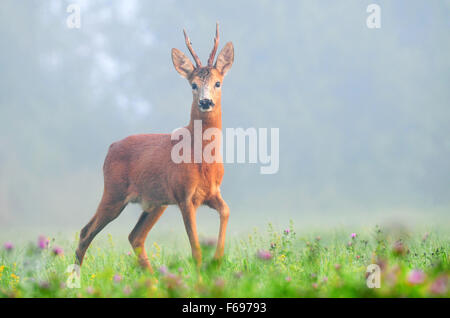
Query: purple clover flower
x=264 y=255
x=163 y=270
x=117 y=278
x=8 y=246
x=43 y=242
x=58 y=251
x=416 y=277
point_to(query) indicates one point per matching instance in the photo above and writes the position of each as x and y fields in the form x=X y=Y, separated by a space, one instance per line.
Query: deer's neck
x=211 y=119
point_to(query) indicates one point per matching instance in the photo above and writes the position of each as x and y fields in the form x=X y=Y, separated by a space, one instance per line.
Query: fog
x=363 y=114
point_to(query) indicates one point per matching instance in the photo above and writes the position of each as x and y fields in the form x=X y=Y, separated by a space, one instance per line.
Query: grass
x=273 y=263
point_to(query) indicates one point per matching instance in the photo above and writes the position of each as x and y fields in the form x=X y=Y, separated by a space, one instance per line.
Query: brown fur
x=139 y=169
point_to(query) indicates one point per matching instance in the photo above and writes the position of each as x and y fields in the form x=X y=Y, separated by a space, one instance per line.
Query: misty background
x=363 y=114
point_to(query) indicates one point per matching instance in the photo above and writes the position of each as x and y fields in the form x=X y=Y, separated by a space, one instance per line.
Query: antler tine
x=189 y=46
x=216 y=44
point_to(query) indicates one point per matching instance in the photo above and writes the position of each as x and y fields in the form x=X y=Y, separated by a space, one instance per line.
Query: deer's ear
x=225 y=58
x=182 y=63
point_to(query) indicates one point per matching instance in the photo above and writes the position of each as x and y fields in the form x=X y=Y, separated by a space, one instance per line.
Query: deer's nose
x=206 y=103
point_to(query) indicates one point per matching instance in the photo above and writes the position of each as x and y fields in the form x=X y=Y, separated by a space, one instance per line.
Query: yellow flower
x=2 y=268
x=92 y=276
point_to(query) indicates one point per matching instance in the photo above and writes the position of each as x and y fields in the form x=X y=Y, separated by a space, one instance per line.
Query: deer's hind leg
x=138 y=235
x=108 y=209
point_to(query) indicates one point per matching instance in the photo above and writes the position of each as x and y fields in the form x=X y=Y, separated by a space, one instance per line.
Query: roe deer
x=139 y=168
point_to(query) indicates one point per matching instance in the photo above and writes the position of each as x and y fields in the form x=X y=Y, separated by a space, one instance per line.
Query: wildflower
x=44 y=285
x=57 y=251
x=15 y=277
x=129 y=253
x=382 y=263
x=163 y=270
x=353 y=235
x=318 y=238
x=43 y=242
x=349 y=244
x=287 y=231
x=180 y=270
x=90 y=290
x=358 y=257
x=337 y=266
x=440 y=285
x=273 y=245
x=416 y=277
x=313 y=275
x=325 y=279
x=220 y=282
x=117 y=278
x=288 y=278
x=127 y=290
x=8 y=246
x=173 y=281
x=399 y=248
x=92 y=276
x=264 y=255
x=315 y=285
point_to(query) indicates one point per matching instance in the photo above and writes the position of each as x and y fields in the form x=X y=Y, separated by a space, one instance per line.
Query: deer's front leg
x=221 y=206
x=188 y=211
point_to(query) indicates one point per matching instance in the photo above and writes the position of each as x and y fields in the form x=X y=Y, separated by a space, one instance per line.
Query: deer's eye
x=194 y=86
x=217 y=84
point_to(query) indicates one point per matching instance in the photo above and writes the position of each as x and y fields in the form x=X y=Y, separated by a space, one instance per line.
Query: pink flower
x=163 y=270
x=264 y=255
x=337 y=266
x=416 y=276
x=288 y=278
x=127 y=290
x=315 y=285
x=117 y=278
x=399 y=248
x=8 y=246
x=43 y=242
x=220 y=282
x=58 y=251
x=353 y=235
x=287 y=231
x=440 y=285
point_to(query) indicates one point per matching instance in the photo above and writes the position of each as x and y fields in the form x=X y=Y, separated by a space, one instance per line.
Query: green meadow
x=268 y=262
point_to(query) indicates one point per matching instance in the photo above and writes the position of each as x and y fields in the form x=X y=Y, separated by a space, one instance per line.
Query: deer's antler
x=189 y=46
x=216 y=44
